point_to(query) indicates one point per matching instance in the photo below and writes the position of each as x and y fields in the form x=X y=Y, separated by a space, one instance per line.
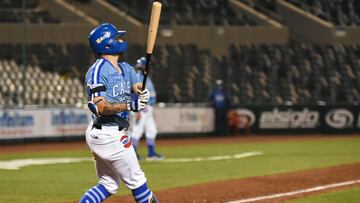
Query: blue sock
x=96 y=194
x=142 y=194
x=151 y=147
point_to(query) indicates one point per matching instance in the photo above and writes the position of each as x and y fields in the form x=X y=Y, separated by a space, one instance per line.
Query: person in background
x=220 y=102
x=143 y=121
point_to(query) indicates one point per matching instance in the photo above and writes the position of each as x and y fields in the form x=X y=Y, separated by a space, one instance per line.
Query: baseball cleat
x=156 y=157
x=153 y=199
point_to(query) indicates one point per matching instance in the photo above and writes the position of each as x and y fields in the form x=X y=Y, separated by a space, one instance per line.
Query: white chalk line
x=19 y=163
x=286 y=194
x=214 y=158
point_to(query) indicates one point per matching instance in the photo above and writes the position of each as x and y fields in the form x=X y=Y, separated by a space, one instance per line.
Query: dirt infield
x=224 y=191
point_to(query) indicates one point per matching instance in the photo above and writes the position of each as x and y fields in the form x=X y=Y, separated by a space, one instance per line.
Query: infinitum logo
x=11 y=120
x=68 y=118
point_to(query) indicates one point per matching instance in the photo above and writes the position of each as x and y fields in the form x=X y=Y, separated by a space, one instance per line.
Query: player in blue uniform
x=109 y=87
x=144 y=120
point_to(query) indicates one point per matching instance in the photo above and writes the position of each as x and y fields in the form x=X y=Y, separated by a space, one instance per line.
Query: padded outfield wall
x=175 y=120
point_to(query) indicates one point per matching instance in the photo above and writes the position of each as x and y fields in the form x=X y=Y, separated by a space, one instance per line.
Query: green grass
x=64 y=182
x=349 y=196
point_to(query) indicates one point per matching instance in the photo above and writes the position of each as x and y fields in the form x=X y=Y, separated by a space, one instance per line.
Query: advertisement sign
x=57 y=122
x=289 y=119
x=305 y=119
x=184 y=120
x=15 y=124
x=27 y=123
x=69 y=121
x=339 y=118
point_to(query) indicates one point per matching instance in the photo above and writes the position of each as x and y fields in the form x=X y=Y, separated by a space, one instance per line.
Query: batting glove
x=144 y=95
x=136 y=105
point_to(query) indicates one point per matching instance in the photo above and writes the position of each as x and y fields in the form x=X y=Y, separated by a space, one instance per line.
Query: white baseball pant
x=115 y=158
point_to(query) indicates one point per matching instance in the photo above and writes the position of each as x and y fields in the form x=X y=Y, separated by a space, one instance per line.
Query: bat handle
x=147 y=64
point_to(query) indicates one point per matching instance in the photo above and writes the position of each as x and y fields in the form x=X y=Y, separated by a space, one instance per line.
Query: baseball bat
x=153 y=28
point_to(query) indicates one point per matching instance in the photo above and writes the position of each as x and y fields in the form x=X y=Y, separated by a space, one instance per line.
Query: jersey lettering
x=124 y=87
x=115 y=92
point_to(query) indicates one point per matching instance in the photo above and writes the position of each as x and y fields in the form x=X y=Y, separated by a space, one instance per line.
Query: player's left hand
x=144 y=95
x=137 y=87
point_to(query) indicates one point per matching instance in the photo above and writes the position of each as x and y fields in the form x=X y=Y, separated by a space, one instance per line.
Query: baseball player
x=109 y=86
x=144 y=120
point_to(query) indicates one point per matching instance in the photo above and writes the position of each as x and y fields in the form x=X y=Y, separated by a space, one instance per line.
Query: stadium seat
x=187 y=12
x=10 y=12
x=341 y=13
x=253 y=74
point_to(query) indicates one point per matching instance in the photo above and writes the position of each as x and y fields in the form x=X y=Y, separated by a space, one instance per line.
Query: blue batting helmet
x=103 y=39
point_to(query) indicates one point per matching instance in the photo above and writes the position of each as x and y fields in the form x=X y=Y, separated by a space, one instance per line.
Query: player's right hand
x=136 y=105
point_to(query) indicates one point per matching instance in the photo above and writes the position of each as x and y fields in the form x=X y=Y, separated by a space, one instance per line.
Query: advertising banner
x=341 y=119
x=302 y=119
x=287 y=119
x=184 y=120
x=27 y=123
x=58 y=122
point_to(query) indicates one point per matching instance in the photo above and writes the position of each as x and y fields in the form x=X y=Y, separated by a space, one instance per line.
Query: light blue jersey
x=150 y=86
x=118 y=88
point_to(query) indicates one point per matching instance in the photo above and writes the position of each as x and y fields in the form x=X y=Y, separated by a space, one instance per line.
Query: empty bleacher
x=267 y=7
x=261 y=5
x=341 y=13
x=187 y=12
x=12 y=12
x=69 y=59
x=296 y=73
x=33 y=86
x=175 y=69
